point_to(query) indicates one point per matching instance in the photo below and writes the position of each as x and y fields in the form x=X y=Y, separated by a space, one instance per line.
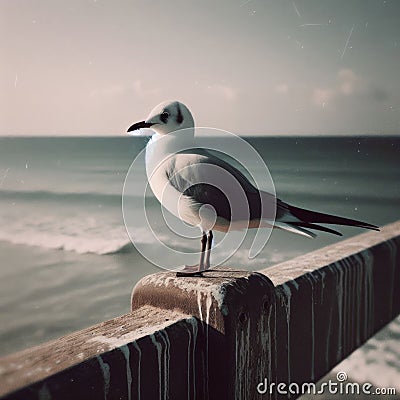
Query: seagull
x=204 y=189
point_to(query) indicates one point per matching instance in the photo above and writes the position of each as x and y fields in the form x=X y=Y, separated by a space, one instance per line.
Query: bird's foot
x=190 y=270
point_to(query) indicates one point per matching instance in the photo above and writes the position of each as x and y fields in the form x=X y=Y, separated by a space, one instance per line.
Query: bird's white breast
x=159 y=162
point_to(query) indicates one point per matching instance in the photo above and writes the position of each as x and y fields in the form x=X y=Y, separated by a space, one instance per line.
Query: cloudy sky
x=92 y=67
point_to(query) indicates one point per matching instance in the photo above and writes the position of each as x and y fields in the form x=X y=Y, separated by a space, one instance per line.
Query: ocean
x=67 y=261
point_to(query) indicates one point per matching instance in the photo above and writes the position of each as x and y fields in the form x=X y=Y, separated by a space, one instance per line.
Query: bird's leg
x=196 y=270
x=203 y=250
x=208 y=250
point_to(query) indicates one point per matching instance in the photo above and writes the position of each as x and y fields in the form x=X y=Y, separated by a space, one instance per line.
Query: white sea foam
x=80 y=235
x=378 y=361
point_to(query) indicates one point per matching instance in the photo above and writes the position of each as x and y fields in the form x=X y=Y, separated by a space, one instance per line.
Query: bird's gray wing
x=207 y=179
x=226 y=162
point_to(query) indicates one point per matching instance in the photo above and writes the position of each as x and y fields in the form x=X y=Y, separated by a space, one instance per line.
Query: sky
x=252 y=67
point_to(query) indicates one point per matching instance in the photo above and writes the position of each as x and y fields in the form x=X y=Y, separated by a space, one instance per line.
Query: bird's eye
x=164 y=116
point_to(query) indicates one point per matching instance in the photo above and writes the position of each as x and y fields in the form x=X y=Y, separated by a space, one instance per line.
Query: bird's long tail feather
x=294 y=229
x=308 y=217
x=300 y=221
x=317 y=227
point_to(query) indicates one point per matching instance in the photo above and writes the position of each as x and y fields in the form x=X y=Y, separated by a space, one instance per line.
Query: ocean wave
x=68 y=243
x=126 y=248
x=41 y=195
x=103 y=241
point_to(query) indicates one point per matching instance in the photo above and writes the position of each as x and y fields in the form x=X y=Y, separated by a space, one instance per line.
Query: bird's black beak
x=138 y=125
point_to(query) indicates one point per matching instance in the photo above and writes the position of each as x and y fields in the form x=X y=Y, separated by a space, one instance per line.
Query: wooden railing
x=219 y=336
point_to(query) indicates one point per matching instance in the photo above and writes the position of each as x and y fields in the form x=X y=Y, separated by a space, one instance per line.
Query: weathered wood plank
x=96 y=360
x=238 y=308
x=330 y=301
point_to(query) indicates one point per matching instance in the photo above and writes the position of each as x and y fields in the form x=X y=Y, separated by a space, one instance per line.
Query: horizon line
x=264 y=135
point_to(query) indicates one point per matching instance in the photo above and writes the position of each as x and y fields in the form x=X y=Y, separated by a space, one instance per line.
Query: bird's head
x=167 y=117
